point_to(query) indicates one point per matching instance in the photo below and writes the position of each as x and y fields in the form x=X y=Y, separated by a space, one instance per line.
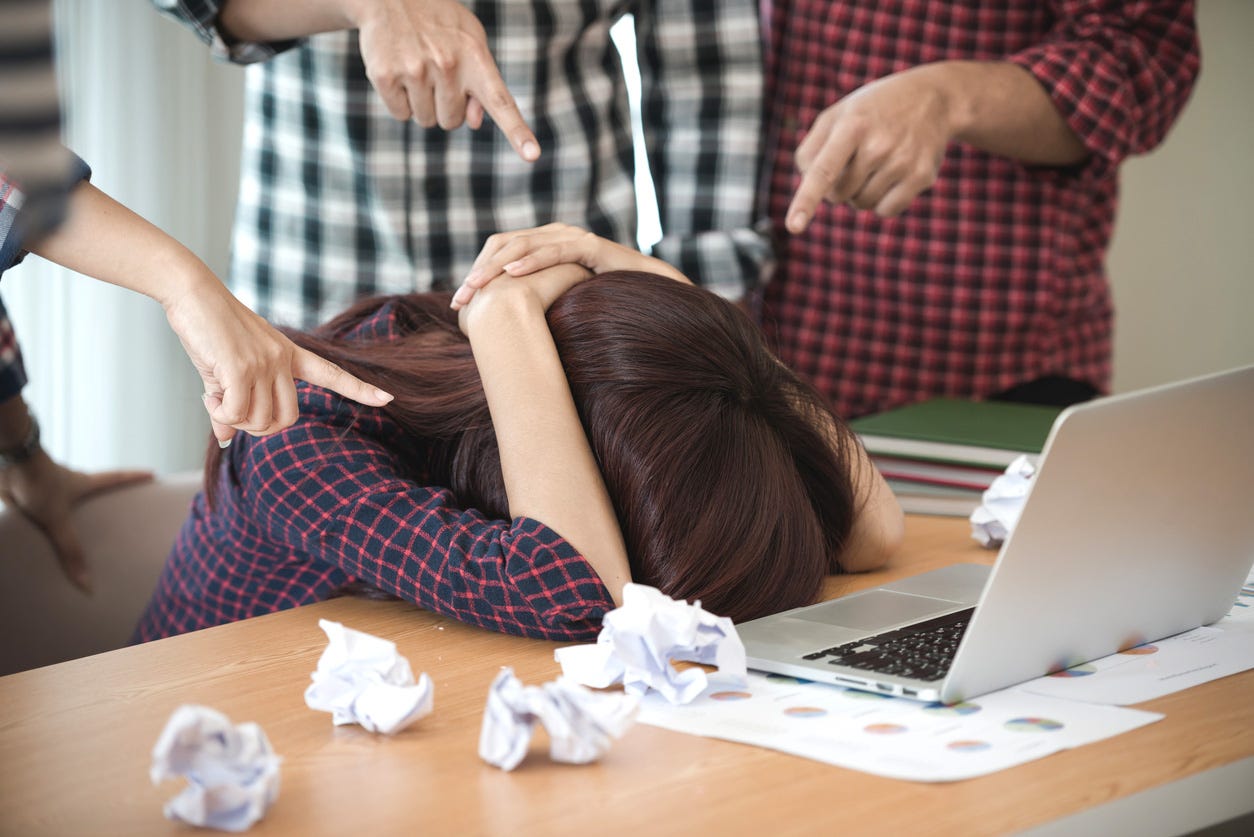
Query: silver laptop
x=1139 y=525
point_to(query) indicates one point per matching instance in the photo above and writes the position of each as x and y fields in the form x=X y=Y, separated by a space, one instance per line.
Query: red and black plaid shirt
x=326 y=502
x=995 y=276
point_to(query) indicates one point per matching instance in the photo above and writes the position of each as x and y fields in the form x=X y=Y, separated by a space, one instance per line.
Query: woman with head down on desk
x=579 y=417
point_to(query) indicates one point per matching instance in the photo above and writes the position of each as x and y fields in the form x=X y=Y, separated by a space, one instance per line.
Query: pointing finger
x=495 y=98
x=323 y=373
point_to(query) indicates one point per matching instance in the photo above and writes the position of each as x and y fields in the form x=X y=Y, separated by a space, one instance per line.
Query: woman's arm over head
x=529 y=252
x=334 y=491
x=548 y=467
x=879 y=525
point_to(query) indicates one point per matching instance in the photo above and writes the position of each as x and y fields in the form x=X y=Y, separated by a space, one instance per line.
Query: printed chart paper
x=893 y=737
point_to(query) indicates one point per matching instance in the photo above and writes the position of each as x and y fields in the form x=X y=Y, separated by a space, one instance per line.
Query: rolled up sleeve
x=1119 y=72
x=340 y=497
x=201 y=16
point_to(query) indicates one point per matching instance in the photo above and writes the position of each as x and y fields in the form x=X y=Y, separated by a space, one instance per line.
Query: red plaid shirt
x=329 y=501
x=995 y=276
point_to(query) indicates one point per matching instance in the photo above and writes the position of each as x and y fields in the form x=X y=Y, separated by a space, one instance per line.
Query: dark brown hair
x=731 y=479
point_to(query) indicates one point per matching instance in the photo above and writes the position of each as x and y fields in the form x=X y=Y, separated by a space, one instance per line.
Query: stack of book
x=939 y=456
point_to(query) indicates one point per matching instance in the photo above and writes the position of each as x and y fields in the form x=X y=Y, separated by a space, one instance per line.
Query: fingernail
x=531 y=150
x=797 y=221
x=514 y=265
x=462 y=295
x=223 y=444
x=473 y=275
x=382 y=396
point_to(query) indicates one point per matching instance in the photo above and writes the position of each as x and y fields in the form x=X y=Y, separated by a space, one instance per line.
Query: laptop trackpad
x=874 y=610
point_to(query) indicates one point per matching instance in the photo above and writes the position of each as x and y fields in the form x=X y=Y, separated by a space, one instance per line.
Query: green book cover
x=954 y=430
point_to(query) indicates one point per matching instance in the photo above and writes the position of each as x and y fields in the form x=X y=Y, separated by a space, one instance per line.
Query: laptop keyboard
x=922 y=651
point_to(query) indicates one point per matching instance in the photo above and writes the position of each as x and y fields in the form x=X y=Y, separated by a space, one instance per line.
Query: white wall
x=1182 y=262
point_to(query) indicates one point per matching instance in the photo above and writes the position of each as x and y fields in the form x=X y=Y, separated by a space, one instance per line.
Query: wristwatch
x=23 y=450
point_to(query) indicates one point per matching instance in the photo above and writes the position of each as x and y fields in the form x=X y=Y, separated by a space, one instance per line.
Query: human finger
x=54 y=520
x=92 y=484
x=819 y=175
x=257 y=410
x=465 y=293
x=501 y=249
x=421 y=102
x=224 y=433
x=474 y=113
x=260 y=419
x=485 y=265
x=859 y=170
x=449 y=98
x=513 y=252
x=391 y=90
x=897 y=199
x=69 y=552
x=814 y=140
x=323 y=373
x=579 y=248
x=489 y=89
x=875 y=187
x=286 y=408
x=491 y=246
x=227 y=404
x=493 y=265
x=506 y=248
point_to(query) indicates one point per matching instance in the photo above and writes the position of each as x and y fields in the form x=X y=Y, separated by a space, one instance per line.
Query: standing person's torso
x=991 y=277
x=339 y=200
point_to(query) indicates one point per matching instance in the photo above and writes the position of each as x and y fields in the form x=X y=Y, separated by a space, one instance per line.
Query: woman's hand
x=541 y=289
x=523 y=252
x=248 y=367
x=46 y=494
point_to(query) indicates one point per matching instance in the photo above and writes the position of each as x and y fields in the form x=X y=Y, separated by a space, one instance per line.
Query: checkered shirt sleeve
x=701 y=100
x=1119 y=72
x=340 y=498
x=12 y=371
x=328 y=501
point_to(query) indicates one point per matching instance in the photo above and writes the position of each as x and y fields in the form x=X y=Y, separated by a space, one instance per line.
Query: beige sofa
x=126 y=535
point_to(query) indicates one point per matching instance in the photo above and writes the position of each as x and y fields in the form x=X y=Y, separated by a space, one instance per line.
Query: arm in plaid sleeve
x=701 y=107
x=429 y=61
x=12 y=234
x=10 y=244
x=1118 y=72
x=201 y=16
x=12 y=372
x=336 y=494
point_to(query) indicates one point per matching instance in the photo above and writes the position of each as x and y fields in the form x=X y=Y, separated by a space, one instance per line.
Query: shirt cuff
x=731 y=263
x=12 y=372
x=202 y=19
x=28 y=213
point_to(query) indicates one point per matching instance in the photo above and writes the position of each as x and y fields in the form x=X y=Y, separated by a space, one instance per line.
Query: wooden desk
x=75 y=743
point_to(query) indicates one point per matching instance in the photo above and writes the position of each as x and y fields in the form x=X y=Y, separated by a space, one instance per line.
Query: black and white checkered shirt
x=339 y=200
